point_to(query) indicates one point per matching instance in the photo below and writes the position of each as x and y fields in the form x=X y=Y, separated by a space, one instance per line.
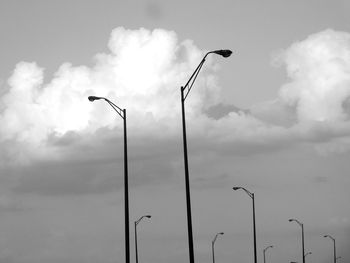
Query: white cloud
x=143 y=73
x=319 y=69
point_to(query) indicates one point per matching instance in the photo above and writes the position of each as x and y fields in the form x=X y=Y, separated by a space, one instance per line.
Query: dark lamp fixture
x=92 y=98
x=223 y=52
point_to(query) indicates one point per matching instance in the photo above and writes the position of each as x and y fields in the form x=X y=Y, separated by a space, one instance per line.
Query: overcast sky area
x=274 y=118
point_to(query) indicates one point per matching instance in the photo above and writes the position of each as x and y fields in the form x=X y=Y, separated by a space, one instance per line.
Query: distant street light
x=264 y=252
x=122 y=114
x=308 y=253
x=302 y=237
x=188 y=86
x=212 y=244
x=334 y=249
x=254 y=228
x=136 y=223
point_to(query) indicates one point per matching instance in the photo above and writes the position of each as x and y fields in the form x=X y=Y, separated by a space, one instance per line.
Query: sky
x=274 y=118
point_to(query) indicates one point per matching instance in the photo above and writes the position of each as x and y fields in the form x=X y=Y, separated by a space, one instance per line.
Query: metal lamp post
x=334 y=250
x=184 y=93
x=122 y=114
x=302 y=237
x=251 y=195
x=213 y=243
x=135 y=224
x=264 y=252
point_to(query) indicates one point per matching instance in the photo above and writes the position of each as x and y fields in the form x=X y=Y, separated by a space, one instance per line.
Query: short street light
x=224 y=53
x=135 y=224
x=302 y=237
x=122 y=114
x=264 y=252
x=334 y=249
x=213 y=243
x=251 y=195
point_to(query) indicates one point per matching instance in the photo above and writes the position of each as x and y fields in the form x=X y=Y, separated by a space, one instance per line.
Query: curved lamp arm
x=222 y=52
x=117 y=109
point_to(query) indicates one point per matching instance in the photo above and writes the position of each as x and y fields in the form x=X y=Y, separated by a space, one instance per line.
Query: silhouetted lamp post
x=264 y=252
x=334 y=250
x=213 y=243
x=136 y=223
x=302 y=237
x=188 y=86
x=254 y=228
x=122 y=114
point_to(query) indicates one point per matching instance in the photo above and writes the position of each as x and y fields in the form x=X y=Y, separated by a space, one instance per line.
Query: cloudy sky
x=274 y=118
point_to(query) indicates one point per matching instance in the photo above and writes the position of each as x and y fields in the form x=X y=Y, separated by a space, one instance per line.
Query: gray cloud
x=221 y=110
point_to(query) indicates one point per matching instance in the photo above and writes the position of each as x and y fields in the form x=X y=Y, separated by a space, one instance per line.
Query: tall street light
x=334 y=250
x=122 y=114
x=264 y=252
x=188 y=86
x=213 y=243
x=251 y=195
x=302 y=237
x=136 y=223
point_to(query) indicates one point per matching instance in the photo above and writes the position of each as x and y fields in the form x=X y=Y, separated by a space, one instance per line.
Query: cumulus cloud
x=319 y=69
x=311 y=108
x=143 y=72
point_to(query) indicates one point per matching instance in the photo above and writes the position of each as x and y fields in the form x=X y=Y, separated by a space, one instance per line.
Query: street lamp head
x=291 y=220
x=93 y=98
x=223 y=52
x=236 y=188
x=221 y=233
x=267 y=248
x=148 y=216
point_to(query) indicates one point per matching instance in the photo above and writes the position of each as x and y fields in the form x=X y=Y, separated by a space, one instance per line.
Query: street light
x=122 y=114
x=188 y=86
x=212 y=244
x=251 y=195
x=334 y=250
x=264 y=251
x=136 y=223
x=308 y=253
x=302 y=237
